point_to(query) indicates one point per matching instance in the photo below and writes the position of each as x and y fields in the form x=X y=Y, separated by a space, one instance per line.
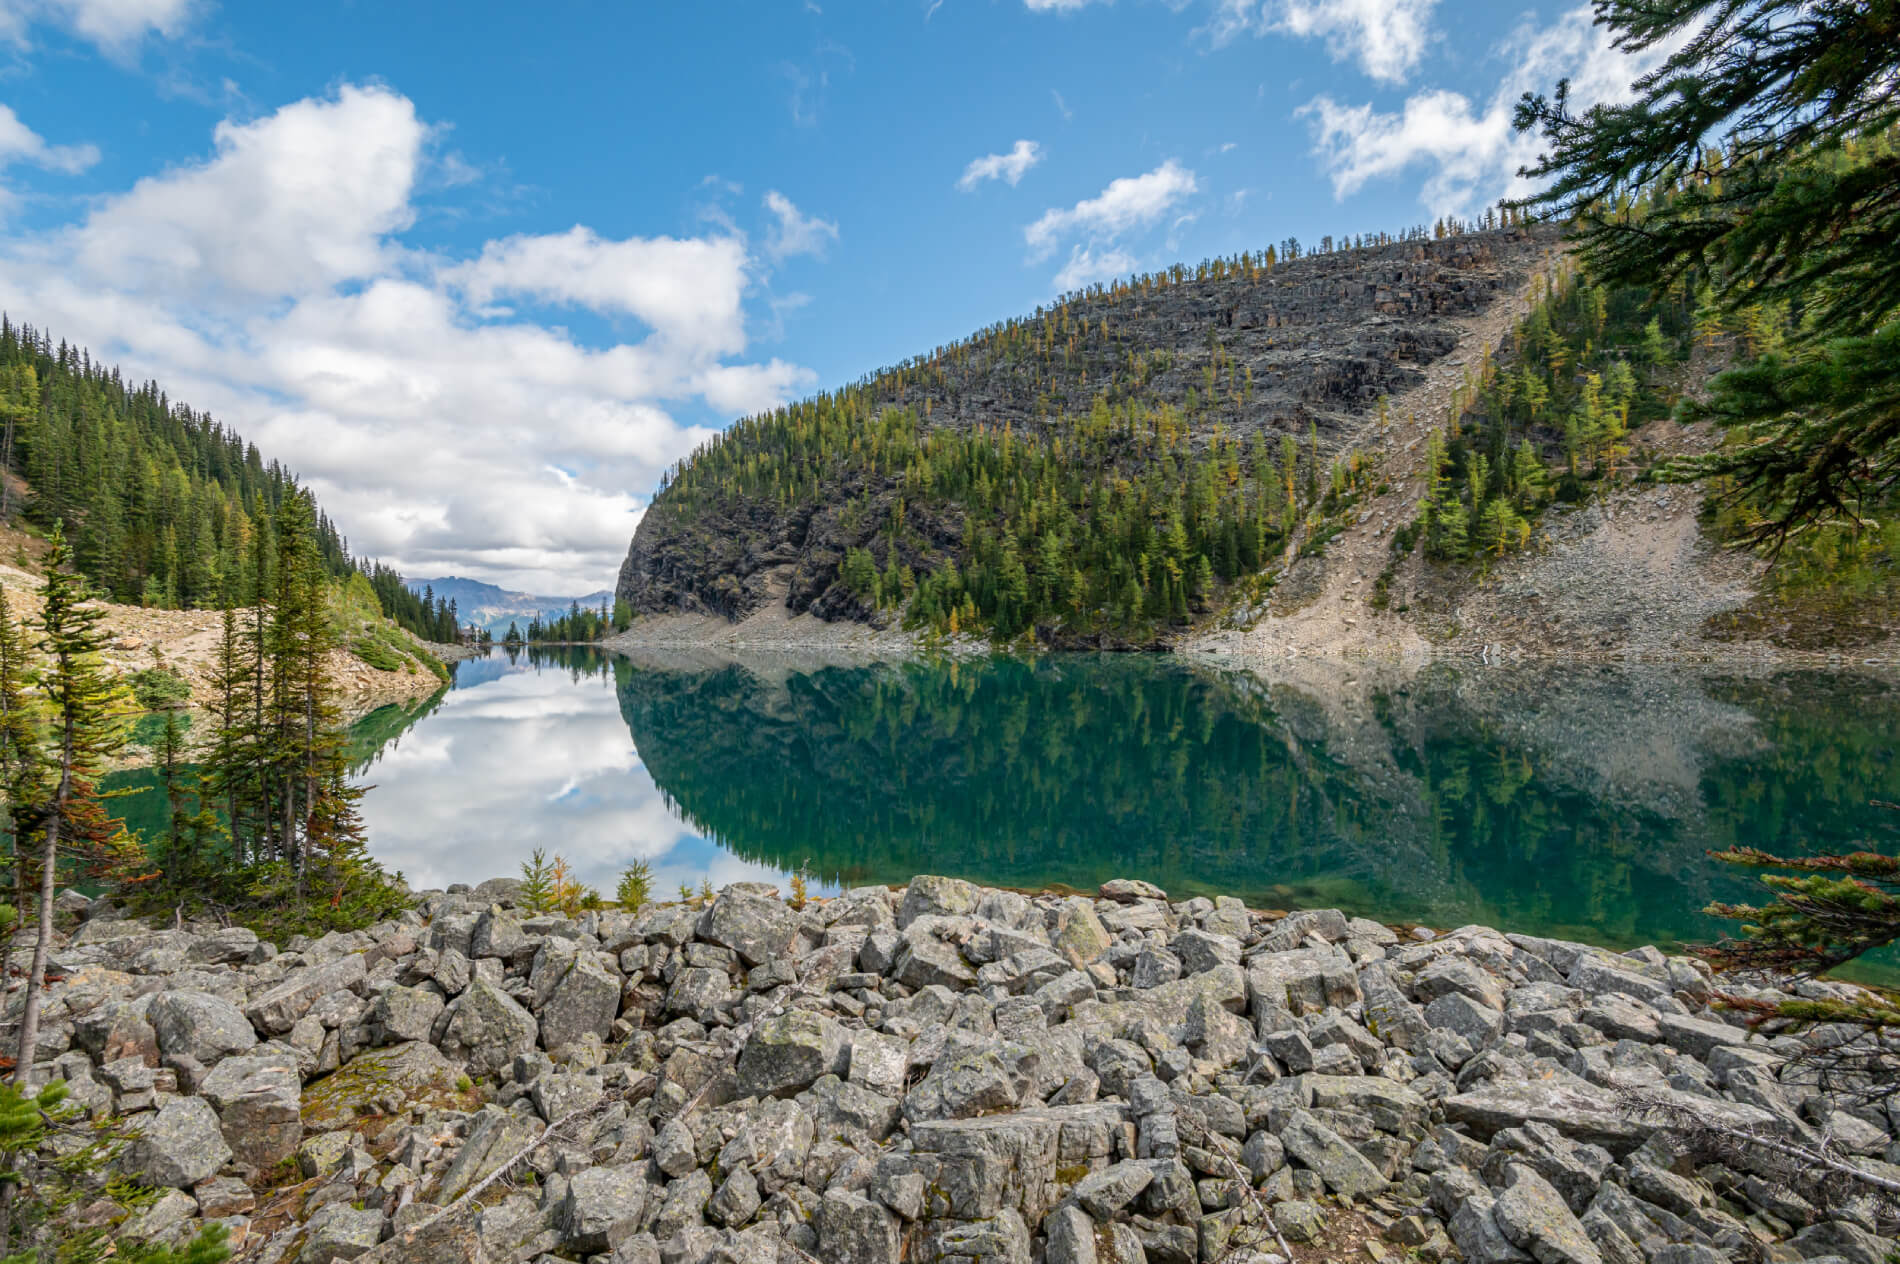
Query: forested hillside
x=166 y=506
x=1098 y=472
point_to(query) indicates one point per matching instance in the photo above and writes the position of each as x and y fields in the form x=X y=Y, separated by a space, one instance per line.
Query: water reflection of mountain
x=1563 y=800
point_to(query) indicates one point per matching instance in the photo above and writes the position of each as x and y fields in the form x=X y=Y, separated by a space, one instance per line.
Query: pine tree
x=85 y=731
x=22 y=759
x=1800 y=205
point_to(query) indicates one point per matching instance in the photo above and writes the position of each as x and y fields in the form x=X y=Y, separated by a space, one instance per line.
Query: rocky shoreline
x=943 y=1074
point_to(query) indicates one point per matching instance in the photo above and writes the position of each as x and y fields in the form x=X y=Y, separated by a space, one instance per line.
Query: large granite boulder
x=199 y=1025
x=750 y=920
x=277 y=1010
x=789 y=1052
x=177 y=1146
x=603 y=1208
x=379 y=1083
x=259 y=1107
x=582 y=1003
x=484 y=1028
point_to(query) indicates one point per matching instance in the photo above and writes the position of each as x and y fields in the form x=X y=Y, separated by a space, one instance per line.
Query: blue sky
x=480 y=275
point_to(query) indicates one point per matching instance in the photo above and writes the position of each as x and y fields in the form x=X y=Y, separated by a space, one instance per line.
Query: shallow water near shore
x=1575 y=801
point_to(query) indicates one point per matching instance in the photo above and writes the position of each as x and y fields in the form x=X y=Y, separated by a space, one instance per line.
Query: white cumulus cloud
x=1127 y=203
x=20 y=143
x=1386 y=38
x=1058 y=6
x=1468 y=149
x=115 y=27
x=1087 y=265
x=270 y=284
x=693 y=288
x=303 y=198
x=1008 y=167
x=796 y=233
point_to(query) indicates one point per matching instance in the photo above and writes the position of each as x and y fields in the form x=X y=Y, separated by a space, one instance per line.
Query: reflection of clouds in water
x=530 y=758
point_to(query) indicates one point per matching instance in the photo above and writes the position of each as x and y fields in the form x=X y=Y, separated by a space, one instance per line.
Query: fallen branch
x=1221 y=1148
x=632 y=1093
x=1818 y=1168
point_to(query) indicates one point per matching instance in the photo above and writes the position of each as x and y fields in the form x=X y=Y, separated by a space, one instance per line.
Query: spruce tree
x=84 y=731
x=22 y=757
x=1759 y=159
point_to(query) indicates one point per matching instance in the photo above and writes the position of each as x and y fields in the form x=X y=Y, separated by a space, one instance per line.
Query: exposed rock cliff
x=1307 y=348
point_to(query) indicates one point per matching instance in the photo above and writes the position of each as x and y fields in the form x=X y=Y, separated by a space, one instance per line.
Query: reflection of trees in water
x=382 y=729
x=579 y=661
x=1072 y=769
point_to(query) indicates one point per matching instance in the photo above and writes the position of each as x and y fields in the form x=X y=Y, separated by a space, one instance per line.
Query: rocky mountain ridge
x=493 y=607
x=1304 y=350
x=944 y=1074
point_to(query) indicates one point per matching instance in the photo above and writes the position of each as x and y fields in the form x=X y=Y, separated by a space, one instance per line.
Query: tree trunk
x=6 y=497
x=36 y=976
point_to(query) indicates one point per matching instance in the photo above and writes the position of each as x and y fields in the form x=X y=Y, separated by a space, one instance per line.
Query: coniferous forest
x=164 y=505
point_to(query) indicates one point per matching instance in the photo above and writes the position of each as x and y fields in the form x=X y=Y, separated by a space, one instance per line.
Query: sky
x=479 y=273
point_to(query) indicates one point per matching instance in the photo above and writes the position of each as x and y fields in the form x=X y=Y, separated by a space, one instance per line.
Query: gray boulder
x=789 y=1052
x=1389 y=1016
x=1345 y=1171
x=199 y=1025
x=925 y=960
x=759 y=927
x=851 y=1109
x=854 y=1230
x=1534 y=1218
x=1199 y=950
x=674 y=1151
x=499 y=934
x=278 y=1009
x=340 y=1232
x=971 y=1081
x=1106 y=1192
x=1303 y=981
x=1069 y=1236
x=583 y=1003
x=603 y=1208
x=259 y=1106
x=699 y=992
x=1476 y=1022
x=1079 y=934
x=177 y=1146
x=1573 y=1169
x=485 y=1029
x=495 y=1136
x=1841 y=1238
x=405 y=1013
x=930 y=895
x=736 y=1200
x=1457 y=976
x=229 y=946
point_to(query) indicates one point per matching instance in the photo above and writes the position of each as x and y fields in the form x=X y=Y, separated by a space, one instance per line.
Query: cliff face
x=1305 y=349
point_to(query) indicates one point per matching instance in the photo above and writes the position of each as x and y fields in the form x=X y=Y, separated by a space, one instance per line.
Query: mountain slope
x=492 y=607
x=1103 y=472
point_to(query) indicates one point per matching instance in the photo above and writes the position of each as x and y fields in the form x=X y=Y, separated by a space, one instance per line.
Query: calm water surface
x=1576 y=801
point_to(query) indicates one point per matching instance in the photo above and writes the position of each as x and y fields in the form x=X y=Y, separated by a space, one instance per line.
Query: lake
x=1578 y=801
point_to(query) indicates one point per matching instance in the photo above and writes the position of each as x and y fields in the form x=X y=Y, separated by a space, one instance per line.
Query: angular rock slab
x=259 y=1107
x=789 y=1052
x=277 y=1011
x=386 y=1082
x=178 y=1146
x=486 y=1028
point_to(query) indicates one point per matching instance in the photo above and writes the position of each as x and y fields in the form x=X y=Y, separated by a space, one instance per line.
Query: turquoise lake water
x=1573 y=801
